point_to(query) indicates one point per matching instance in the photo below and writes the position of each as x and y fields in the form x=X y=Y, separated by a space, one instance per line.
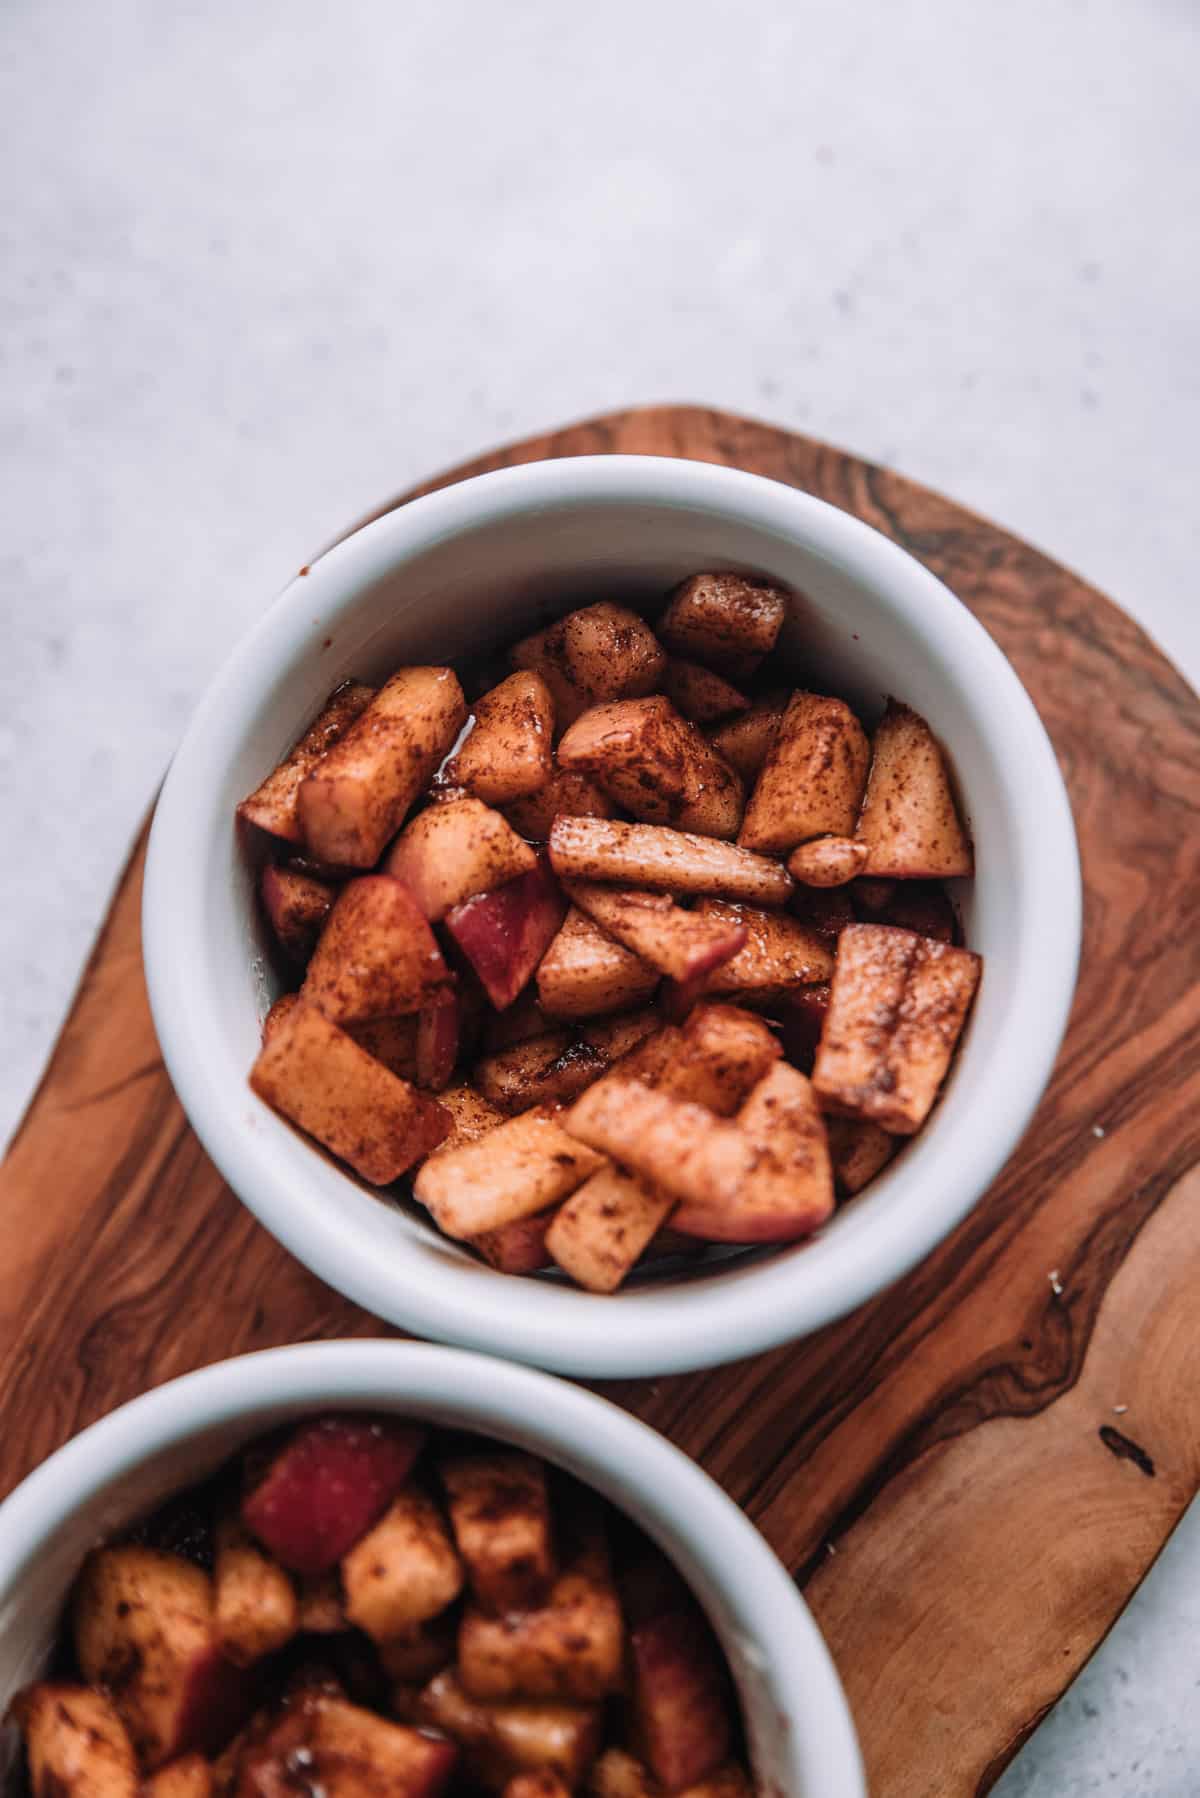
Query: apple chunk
x=325 y=1486
x=724 y=620
x=145 y=1629
x=585 y=972
x=909 y=820
x=564 y=795
x=273 y=806
x=897 y=1007
x=778 y=953
x=257 y=1608
x=455 y=849
x=357 y=795
x=656 y=765
x=499 y=1742
x=325 y=1744
x=811 y=783
x=505 y=933
x=701 y=695
x=599 y=652
x=296 y=907
x=522 y=1167
x=403 y=1571
x=682 y=1714
x=684 y=945
x=568 y=1650
x=377 y=957
x=601 y=1231
x=323 y=1081
x=75 y=1743
x=518 y=1247
x=664 y=860
x=438 y=1031
x=508 y=753
x=745 y=742
x=554 y=1067
x=500 y=1515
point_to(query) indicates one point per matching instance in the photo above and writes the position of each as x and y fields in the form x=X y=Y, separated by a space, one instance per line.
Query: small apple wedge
x=296 y=907
x=897 y=1007
x=655 y=765
x=536 y=1785
x=778 y=953
x=726 y=621
x=257 y=1609
x=599 y=652
x=274 y=805
x=565 y=795
x=359 y=793
x=508 y=753
x=858 y=1150
x=145 y=1629
x=437 y=1043
x=505 y=933
x=585 y=972
x=811 y=783
x=602 y=1230
x=909 y=820
x=665 y=861
x=550 y=1069
x=786 y=1189
x=523 y=1166
x=500 y=1515
x=681 y=1706
x=681 y=944
x=454 y=849
x=377 y=957
x=319 y=1078
x=325 y=1486
x=403 y=1571
x=700 y=695
x=500 y=1742
x=569 y=1650
x=76 y=1745
x=746 y=741
x=518 y=1247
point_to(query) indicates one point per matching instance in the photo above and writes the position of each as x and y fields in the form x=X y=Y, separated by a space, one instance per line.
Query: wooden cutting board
x=969 y=1476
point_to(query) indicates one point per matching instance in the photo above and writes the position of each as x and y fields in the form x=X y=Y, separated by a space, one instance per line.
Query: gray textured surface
x=265 y=264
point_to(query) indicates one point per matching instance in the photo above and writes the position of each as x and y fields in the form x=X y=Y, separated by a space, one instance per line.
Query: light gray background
x=266 y=263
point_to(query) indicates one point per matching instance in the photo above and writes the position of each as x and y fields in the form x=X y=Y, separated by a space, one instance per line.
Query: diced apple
x=553 y=1068
x=145 y=1629
x=325 y=1486
x=701 y=695
x=599 y=652
x=437 y=1043
x=896 y=1011
x=519 y=1247
x=522 y=1167
x=812 y=780
x=455 y=849
x=801 y=1021
x=786 y=1188
x=323 y=1081
x=778 y=955
x=502 y=1741
x=508 y=753
x=257 y=1610
x=568 y=1650
x=343 y=1751
x=601 y=1231
x=273 y=805
x=296 y=907
x=724 y=620
x=585 y=972
x=471 y=1116
x=393 y=1041
x=403 y=1571
x=666 y=861
x=684 y=945
x=76 y=1745
x=500 y=1515
x=909 y=820
x=858 y=1151
x=415 y=1658
x=827 y=861
x=565 y=795
x=616 y=1037
x=723 y=1054
x=377 y=957
x=680 y=1698
x=505 y=933
x=189 y=1777
x=673 y=1143
x=745 y=742
x=656 y=765
x=356 y=797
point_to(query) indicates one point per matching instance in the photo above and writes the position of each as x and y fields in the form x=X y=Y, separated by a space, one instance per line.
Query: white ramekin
x=475 y=566
x=802 y=1740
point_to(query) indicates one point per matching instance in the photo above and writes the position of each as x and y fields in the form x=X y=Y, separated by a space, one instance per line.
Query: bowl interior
x=797 y=1727
x=465 y=572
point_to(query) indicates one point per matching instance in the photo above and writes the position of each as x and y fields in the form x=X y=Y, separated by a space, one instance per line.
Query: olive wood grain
x=970 y=1475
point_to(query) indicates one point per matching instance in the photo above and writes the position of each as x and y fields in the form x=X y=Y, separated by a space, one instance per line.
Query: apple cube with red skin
x=326 y=1485
x=505 y=933
x=377 y=957
x=76 y=1745
x=680 y=1693
x=296 y=907
x=681 y=944
x=274 y=805
x=523 y=1166
x=454 y=849
x=343 y=1751
x=145 y=1629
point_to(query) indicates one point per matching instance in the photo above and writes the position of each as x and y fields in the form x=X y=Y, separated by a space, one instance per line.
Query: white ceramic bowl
x=476 y=566
x=801 y=1738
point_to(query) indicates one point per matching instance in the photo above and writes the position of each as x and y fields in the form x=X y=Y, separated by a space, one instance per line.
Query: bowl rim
x=641 y=1471
x=660 y=1330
